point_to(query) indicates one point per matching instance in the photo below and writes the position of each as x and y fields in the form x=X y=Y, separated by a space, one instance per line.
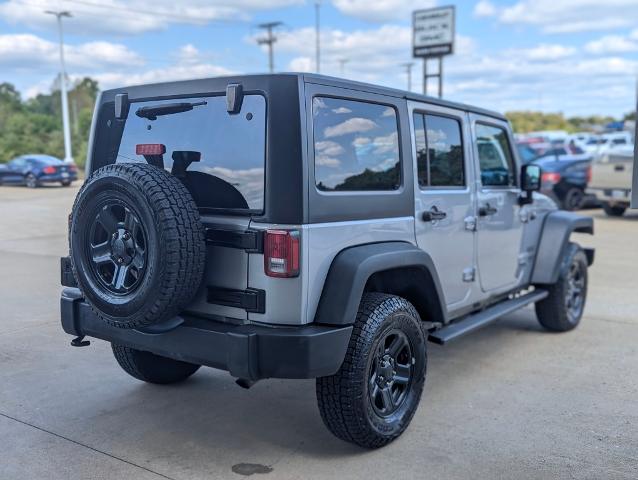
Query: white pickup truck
x=611 y=180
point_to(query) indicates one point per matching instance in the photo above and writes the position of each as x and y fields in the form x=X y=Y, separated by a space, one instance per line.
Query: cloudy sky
x=575 y=56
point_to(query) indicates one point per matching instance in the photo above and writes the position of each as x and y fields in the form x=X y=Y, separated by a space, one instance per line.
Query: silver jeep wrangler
x=300 y=226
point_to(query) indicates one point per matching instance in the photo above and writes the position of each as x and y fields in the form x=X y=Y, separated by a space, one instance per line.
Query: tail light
x=49 y=170
x=73 y=168
x=589 y=174
x=550 y=177
x=281 y=253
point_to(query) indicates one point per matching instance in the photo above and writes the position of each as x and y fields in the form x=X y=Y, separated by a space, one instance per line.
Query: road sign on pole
x=433 y=37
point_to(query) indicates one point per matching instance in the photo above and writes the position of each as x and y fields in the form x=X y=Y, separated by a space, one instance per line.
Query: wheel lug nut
x=127 y=236
x=120 y=259
x=115 y=235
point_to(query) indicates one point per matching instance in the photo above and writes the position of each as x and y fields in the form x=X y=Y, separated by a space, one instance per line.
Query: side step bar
x=485 y=317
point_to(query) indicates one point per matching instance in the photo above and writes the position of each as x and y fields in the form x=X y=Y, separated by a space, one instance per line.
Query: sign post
x=433 y=37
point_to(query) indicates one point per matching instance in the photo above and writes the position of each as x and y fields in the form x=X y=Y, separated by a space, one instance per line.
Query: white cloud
x=568 y=16
x=544 y=52
x=484 y=8
x=352 y=125
x=381 y=10
x=134 y=16
x=612 y=44
x=27 y=52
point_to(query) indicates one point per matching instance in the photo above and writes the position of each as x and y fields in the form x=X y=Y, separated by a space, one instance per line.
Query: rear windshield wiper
x=166 y=109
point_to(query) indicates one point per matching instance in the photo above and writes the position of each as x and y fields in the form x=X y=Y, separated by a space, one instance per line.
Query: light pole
x=68 y=156
x=342 y=64
x=408 y=71
x=269 y=40
x=318 y=36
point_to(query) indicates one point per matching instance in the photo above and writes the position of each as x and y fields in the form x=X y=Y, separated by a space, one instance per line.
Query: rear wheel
x=66 y=183
x=31 y=181
x=563 y=308
x=371 y=400
x=614 y=210
x=573 y=199
x=151 y=368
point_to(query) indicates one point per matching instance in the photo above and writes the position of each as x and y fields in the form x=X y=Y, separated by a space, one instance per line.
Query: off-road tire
x=553 y=312
x=614 y=210
x=151 y=368
x=175 y=247
x=344 y=399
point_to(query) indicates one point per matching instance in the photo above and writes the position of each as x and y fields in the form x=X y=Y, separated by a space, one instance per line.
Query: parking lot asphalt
x=511 y=401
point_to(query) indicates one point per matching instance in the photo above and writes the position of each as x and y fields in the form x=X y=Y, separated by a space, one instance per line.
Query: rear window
x=218 y=156
x=356 y=145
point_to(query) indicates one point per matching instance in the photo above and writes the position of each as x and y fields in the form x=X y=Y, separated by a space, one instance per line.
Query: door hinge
x=252 y=241
x=469 y=274
x=470 y=223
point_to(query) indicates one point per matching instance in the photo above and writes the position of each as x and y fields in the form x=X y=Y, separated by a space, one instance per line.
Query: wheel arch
x=397 y=268
x=555 y=237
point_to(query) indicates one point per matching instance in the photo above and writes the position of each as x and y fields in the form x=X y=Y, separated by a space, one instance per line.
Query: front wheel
x=151 y=368
x=563 y=308
x=371 y=400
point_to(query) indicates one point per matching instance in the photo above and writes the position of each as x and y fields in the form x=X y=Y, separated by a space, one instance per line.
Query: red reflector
x=49 y=170
x=150 y=149
x=550 y=177
x=281 y=253
x=589 y=174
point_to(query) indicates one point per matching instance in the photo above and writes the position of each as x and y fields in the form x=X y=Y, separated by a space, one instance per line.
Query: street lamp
x=68 y=157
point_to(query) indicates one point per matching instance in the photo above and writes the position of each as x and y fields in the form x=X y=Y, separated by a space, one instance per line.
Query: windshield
x=219 y=157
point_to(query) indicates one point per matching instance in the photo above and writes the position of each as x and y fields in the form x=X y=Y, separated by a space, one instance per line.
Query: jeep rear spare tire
x=136 y=244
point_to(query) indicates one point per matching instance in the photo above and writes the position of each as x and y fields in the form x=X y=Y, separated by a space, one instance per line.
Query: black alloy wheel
x=390 y=373
x=117 y=247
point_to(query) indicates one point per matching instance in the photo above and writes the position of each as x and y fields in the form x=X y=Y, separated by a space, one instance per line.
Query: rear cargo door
x=220 y=157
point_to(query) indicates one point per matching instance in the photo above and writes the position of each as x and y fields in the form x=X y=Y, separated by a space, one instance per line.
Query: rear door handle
x=433 y=214
x=619 y=168
x=487 y=210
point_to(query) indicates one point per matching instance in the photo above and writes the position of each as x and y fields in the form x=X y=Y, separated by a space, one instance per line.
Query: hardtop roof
x=138 y=90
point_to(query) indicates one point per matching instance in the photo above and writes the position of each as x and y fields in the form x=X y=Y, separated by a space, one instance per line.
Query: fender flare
x=352 y=267
x=557 y=229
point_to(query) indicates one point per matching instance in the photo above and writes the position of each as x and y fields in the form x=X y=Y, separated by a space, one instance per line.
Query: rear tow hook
x=80 y=342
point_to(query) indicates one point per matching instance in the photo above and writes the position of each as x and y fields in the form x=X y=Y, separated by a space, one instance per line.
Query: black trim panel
x=246 y=351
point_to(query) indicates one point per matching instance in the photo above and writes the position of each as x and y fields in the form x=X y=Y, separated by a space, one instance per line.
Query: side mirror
x=530 y=182
x=530 y=178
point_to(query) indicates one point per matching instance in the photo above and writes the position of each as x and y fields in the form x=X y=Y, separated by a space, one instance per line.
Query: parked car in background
x=35 y=170
x=565 y=176
x=615 y=141
x=611 y=180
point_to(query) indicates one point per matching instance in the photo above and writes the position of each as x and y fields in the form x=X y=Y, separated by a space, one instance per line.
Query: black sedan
x=566 y=173
x=35 y=170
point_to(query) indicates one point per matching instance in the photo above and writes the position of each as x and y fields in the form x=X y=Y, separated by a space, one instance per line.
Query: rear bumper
x=57 y=177
x=252 y=352
x=611 y=195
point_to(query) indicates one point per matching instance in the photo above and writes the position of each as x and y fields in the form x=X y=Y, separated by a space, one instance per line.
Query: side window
x=356 y=145
x=495 y=156
x=439 y=151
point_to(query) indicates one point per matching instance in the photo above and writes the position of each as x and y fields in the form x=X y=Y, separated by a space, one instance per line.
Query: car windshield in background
x=219 y=157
